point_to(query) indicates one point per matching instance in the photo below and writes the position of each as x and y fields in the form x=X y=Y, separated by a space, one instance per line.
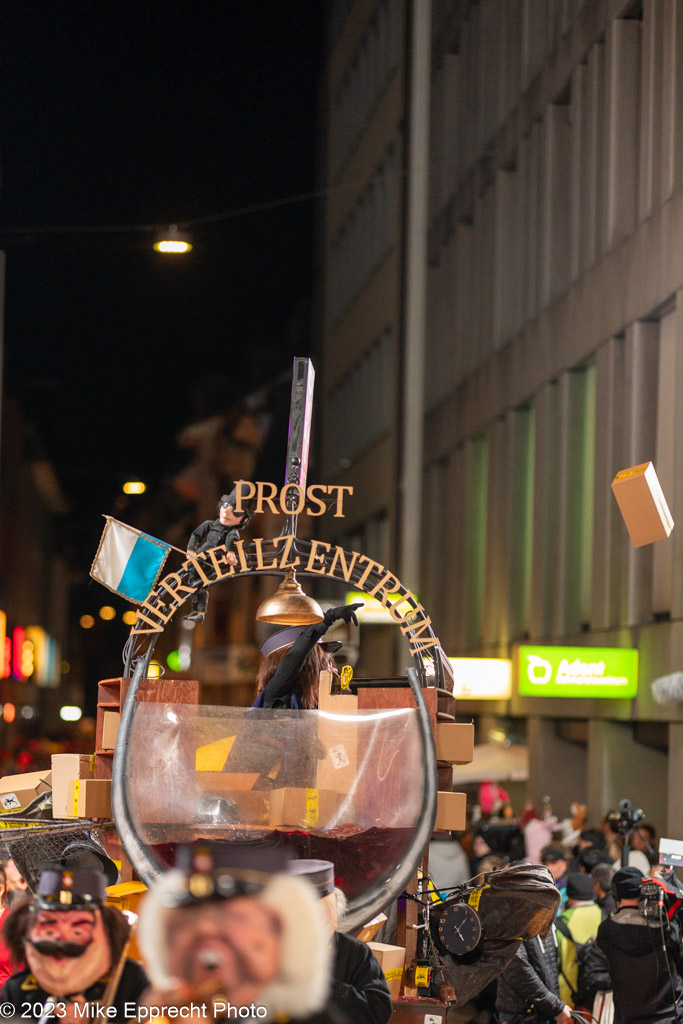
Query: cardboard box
x=450 y=812
x=369 y=930
x=392 y=960
x=642 y=504
x=66 y=768
x=110 y=727
x=251 y=805
x=302 y=808
x=89 y=798
x=338 y=738
x=16 y=791
x=343 y=703
x=455 y=742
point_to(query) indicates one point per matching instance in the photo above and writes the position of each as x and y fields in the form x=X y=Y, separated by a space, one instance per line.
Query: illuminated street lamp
x=173 y=240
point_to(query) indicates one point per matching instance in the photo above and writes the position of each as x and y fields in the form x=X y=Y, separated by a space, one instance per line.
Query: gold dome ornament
x=289 y=606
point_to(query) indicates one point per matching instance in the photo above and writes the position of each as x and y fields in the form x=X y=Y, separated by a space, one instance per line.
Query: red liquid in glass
x=361 y=858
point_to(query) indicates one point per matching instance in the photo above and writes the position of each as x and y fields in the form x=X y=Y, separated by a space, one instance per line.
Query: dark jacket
x=530 y=980
x=211 y=534
x=282 y=687
x=359 y=988
x=23 y=990
x=645 y=986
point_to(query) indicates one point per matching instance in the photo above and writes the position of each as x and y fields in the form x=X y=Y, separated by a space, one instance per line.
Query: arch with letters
x=273 y=557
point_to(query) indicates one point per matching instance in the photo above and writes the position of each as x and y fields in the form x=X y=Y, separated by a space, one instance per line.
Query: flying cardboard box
x=16 y=791
x=66 y=768
x=642 y=504
x=392 y=960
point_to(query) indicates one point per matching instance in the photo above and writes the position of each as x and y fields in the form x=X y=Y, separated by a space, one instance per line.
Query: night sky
x=114 y=113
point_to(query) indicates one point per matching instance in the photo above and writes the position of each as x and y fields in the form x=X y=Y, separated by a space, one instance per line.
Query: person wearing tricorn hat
x=359 y=988
x=228 y=926
x=74 y=947
x=644 y=957
x=289 y=676
x=214 y=533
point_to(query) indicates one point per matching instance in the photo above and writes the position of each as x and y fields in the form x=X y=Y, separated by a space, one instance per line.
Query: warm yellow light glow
x=9 y=712
x=374 y=611
x=155 y=670
x=107 y=612
x=130 y=618
x=172 y=245
x=87 y=621
x=134 y=487
x=482 y=678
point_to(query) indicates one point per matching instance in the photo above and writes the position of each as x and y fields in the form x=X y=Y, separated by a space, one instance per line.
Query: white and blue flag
x=128 y=561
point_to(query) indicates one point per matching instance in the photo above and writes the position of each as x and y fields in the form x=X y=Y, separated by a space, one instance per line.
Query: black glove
x=347 y=612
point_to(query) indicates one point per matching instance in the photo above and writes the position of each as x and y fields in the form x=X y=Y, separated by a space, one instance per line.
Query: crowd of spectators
x=603 y=959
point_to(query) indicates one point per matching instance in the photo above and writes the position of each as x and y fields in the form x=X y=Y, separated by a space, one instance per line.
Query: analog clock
x=459 y=928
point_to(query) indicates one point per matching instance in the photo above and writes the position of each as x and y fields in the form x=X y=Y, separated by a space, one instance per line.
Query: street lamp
x=173 y=240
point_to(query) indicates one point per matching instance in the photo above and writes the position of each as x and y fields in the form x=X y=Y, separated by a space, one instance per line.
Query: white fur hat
x=302 y=985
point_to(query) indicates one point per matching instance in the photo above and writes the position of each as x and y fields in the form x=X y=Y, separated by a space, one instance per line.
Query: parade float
x=363 y=781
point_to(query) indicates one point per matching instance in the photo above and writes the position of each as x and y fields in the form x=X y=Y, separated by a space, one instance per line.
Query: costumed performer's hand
x=347 y=612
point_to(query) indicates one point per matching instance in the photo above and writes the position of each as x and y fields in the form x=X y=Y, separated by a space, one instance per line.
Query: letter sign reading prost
x=603 y=672
x=291 y=498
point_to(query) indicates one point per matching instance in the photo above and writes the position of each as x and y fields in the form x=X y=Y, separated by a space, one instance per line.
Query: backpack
x=593 y=974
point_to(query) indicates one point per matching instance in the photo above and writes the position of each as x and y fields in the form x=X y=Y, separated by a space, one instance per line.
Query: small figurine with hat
x=73 y=944
x=229 y=925
x=289 y=676
x=221 y=532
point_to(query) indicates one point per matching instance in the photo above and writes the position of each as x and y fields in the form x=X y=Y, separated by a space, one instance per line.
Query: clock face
x=459 y=928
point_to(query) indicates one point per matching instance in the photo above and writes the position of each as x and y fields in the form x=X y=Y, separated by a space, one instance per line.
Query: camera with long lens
x=626 y=820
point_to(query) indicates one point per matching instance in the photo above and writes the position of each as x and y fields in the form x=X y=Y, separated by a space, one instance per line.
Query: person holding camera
x=644 y=957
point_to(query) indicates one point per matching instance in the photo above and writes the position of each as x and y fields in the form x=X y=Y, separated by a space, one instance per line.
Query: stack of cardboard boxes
x=75 y=792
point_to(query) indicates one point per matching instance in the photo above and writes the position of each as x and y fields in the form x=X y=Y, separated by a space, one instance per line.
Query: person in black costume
x=358 y=990
x=214 y=533
x=289 y=676
x=73 y=945
x=644 y=958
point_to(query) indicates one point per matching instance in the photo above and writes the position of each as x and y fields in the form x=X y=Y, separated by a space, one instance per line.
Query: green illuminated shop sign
x=578 y=672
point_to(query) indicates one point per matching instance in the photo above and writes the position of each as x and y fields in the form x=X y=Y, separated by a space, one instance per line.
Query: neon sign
x=607 y=672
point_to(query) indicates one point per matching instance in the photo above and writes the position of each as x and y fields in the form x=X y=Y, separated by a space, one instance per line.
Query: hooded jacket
x=645 y=985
